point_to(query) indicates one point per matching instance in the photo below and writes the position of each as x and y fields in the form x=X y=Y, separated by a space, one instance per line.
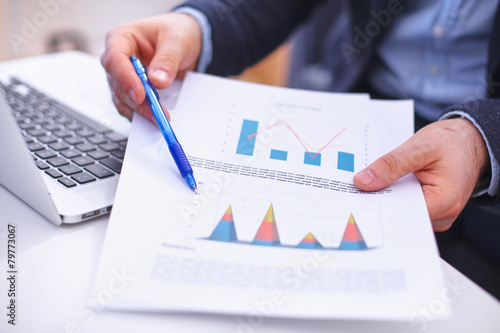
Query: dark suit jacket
x=245 y=31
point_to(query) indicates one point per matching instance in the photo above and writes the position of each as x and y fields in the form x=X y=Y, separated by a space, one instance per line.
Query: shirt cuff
x=206 y=36
x=495 y=168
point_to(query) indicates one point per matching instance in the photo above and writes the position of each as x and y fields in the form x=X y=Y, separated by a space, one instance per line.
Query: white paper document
x=278 y=228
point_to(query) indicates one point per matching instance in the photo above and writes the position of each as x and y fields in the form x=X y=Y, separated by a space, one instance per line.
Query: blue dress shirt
x=436 y=53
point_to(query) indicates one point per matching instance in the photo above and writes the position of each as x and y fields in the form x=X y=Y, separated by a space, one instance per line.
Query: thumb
x=163 y=67
x=177 y=49
x=411 y=156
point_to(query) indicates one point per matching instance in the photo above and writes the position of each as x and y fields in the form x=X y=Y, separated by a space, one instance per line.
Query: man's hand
x=448 y=157
x=168 y=45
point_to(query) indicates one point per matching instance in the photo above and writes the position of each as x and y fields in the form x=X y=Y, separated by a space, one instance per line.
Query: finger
x=413 y=155
x=122 y=108
x=164 y=65
x=145 y=110
x=119 y=48
x=126 y=106
x=119 y=94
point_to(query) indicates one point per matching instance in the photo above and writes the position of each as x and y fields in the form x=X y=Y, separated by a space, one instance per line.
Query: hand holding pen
x=168 y=44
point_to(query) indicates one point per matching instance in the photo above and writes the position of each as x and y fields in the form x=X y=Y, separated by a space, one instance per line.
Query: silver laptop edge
x=20 y=175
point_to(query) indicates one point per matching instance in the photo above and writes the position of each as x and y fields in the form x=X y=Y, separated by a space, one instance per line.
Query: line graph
x=308 y=148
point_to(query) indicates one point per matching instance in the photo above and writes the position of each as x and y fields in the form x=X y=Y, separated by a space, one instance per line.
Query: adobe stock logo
x=372 y=29
x=30 y=28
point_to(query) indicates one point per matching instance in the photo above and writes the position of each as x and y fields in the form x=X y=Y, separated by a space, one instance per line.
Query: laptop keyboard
x=67 y=146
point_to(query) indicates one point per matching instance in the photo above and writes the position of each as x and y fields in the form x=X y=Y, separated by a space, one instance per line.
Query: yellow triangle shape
x=351 y=220
x=229 y=210
x=269 y=215
x=309 y=236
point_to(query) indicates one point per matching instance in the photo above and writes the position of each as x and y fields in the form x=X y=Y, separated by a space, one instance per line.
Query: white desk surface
x=56 y=266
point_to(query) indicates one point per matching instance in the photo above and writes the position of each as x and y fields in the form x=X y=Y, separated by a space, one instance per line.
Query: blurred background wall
x=33 y=27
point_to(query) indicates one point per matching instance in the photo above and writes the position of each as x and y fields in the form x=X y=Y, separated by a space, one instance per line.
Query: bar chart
x=246 y=143
x=312 y=156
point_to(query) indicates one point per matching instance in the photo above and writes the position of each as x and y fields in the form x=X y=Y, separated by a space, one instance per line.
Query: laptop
x=63 y=164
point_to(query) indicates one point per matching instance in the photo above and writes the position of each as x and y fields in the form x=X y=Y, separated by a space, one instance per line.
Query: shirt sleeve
x=491 y=188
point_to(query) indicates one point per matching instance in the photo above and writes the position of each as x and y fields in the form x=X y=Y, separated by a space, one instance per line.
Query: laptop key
x=51 y=127
x=45 y=154
x=120 y=153
x=47 y=139
x=62 y=120
x=57 y=161
x=28 y=139
x=85 y=147
x=42 y=105
x=85 y=133
x=41 y=121
x=83 y=177
x=71 y=153
x=58 y=146
x=83 y=160
x=53 y=173
x=62 y=134
x=113 y=164
x=99 y=171
x=42 y=165
x=110 y=146
x=26 y=126
x=73 y=140
x=73 y=126
x=66 y=182
x=70 y=169
x=29 y=114
x=35 y=132
x=50 y=112
x=115 y=136
x=35 y=146
x=97 y=140
x=98 y=154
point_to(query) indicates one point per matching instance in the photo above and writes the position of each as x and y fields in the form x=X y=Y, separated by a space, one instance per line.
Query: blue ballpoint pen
x=154 y=103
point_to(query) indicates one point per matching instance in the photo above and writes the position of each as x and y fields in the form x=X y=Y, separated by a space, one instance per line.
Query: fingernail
x=160 y=75
x=132 y=95
x=366 y=177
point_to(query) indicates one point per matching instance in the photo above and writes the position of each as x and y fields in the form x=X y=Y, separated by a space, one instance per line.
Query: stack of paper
x=278 y=228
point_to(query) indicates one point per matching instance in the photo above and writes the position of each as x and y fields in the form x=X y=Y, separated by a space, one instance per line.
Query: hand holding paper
x=448 y=157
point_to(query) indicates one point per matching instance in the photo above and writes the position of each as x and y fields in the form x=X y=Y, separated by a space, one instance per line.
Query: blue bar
x=246 y=146
x=345 y=161
x=278 y=154
x=316 y=160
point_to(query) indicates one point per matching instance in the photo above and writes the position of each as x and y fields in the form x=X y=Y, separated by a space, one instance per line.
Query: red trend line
x=301 y=141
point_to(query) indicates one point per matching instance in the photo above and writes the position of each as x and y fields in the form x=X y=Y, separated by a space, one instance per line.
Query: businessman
x=435 y=52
